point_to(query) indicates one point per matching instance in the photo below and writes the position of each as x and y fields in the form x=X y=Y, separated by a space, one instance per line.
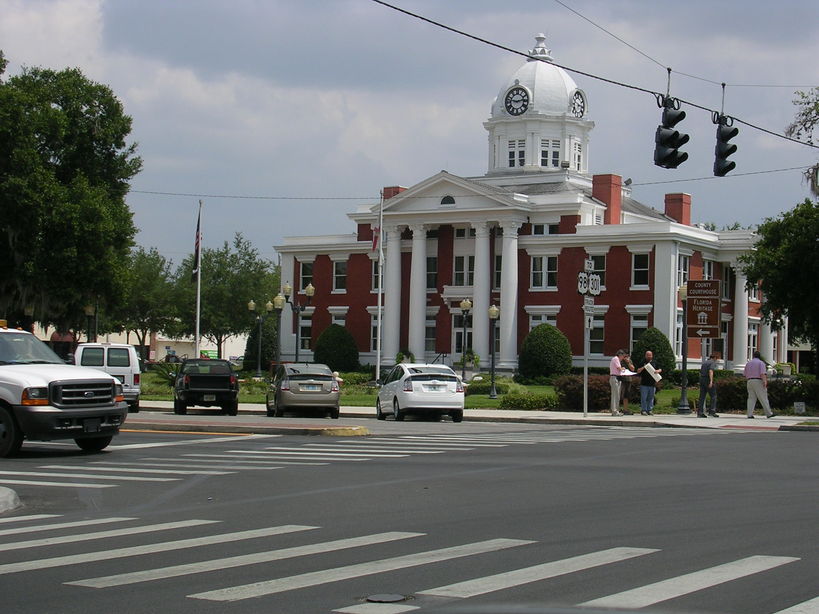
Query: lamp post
x=297 y=309
x=466 y=305
x=278 y=305
x=89 y=314
x=494 y=313
x=260 y=318
x=683 y=407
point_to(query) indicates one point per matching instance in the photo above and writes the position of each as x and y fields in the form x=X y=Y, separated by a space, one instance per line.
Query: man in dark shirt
x=648 y=385
x=708 y=386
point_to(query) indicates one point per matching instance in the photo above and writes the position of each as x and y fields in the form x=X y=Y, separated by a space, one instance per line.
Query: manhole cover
x=386 y=598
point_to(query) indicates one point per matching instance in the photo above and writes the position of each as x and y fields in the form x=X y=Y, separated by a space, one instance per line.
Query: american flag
x=196 y=246
x=376 y=236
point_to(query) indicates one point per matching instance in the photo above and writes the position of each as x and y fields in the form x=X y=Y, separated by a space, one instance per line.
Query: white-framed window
x=538 y=229
x=305 y=331
x=597 y=334
x=544 y=273
x=432 y=272
x=373 y=332
x=305 y=274
x=458 y=329
x=550 y=153
x=374 y=276
x=340 y=275
x=599 y=267
x=430 y=334
x=496 y=274
x=707 y=347
x=464 y=271
x=753 y=293
x=753 y=340
x=339 y=318
x=683 y=263
x=639 y=324
x=708 y=269
x=554 y=229
x=678 y=330
x=727 y=274
x=517 y=152
x=464 y=233
x=639 y=270
x=577 y=150
x=536 y=319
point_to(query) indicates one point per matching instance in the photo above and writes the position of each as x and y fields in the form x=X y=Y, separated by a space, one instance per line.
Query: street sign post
x=703 y=308
x=588 y=284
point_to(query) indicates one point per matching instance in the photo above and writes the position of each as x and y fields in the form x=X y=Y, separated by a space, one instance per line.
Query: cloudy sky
x=321 y=103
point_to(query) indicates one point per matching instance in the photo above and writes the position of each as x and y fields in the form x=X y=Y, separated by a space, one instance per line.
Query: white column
x=740 y=332
x=418 y=292
x=509 y=297
x=392 y=297
x=782 y=346
x=766 y=342
x=480 y=293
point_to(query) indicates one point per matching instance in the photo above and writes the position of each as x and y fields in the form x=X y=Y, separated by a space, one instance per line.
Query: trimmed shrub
x=569 y=390
x=484 y=386
x=653 y=339
x=528 y=401
x=336 y=348
x=544 y=354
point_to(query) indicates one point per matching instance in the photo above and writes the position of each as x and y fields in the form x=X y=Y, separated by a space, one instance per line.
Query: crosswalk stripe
x=70 y=539
x=241 y=560
x=811 y=606
x=377 y=608
x=300 y=451
x=451 y=440
x=682 y=585
x=85 y=475
x=176 y=463
x=56 y=484
x=29 y=517
x=185 y=442
x=376 y=450
x=488 y=584
x=279 y=585
x=63 y=525
x=126 y=470
x=287 y=455
x=179 y=544
x=256 y=461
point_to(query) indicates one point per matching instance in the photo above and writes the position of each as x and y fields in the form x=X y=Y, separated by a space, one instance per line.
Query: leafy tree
x=336 y=348
x=655 y=340
x=802 y=127
x=785 y=262
x=64 y=172
x=231 y=276
x=545 y=352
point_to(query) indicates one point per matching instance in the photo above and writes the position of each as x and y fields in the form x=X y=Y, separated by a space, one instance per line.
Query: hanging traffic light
x=725 y=132
x=668 y=140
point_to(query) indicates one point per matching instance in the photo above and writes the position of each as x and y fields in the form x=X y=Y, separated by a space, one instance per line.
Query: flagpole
x=198 y=265
x=380 y=285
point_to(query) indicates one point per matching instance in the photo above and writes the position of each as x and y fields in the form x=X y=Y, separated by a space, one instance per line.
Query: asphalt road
x=483 y=516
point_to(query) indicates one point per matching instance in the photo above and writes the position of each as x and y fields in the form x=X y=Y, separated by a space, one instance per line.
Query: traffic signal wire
x=576 y=71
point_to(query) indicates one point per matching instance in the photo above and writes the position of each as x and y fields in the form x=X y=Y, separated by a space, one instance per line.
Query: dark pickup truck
x=208 y=383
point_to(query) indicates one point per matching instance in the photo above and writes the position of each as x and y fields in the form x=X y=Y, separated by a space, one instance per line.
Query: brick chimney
x=678 y=207
x=609 y=189
x=391 y=191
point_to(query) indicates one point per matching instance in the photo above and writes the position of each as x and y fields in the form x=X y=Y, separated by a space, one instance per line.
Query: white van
x=117 y=359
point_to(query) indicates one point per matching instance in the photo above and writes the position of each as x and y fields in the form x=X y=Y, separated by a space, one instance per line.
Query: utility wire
x=776 y=170
x=574 y=70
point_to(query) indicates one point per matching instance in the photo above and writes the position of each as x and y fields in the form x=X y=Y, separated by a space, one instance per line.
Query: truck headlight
x=35 y=396
x=118 y=395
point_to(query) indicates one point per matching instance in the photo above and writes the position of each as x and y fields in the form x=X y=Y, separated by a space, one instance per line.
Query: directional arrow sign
x=703 y=332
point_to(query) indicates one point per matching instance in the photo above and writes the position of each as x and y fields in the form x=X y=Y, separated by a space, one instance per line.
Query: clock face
x=578 y=104
x=516 y=101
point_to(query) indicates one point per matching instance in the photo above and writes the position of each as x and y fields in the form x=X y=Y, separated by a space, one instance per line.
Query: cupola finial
x=540 y=51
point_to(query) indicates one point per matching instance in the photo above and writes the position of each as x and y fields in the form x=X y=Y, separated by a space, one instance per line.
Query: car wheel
x=180 y=408
x=278 y=410
x=133 y=408
x=378 y=413
x=457 y=416
x=11 y=437
x=335 y=412
x=94 y=444
x=233 y=409
x=396 y=411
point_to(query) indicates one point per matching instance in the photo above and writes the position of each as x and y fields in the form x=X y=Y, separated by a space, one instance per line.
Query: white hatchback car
x=420 y=388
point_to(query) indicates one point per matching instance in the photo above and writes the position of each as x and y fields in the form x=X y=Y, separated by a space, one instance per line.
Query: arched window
x=447 y=200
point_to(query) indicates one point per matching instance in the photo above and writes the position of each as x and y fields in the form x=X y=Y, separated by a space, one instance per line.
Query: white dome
x=551 y=89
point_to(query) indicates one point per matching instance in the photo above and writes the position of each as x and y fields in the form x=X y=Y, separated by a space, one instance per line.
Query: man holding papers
x=649 y=376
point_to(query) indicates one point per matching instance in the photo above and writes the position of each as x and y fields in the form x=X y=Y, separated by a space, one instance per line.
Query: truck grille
x=82 y=393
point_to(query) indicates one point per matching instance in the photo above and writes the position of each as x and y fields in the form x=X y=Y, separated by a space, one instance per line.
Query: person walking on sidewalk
x=708 y=386
x=615 y=371
x=648 y=384
x=756 y=374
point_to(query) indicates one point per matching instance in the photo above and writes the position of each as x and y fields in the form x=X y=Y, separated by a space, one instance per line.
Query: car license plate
x=92 y=425
x=311 y=387
x=435 y=388
x=209 y=397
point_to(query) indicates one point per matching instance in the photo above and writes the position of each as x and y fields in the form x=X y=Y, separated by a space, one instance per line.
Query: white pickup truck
x=43 y=398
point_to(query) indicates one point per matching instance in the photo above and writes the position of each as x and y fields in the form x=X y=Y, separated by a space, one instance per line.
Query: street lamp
x=494 y=314
x=297 y=309
x=466 y=305
x=260 y=318
x=683 y=407
x=89 y=314
x=278 y=305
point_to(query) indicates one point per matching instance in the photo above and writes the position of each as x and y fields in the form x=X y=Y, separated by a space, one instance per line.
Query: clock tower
x=539 y=121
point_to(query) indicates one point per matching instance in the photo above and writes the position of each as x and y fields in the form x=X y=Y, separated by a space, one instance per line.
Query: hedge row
x=528 y=401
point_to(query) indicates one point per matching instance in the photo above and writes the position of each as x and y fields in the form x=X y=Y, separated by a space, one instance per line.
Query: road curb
x=250 y=429
x=8 y=500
